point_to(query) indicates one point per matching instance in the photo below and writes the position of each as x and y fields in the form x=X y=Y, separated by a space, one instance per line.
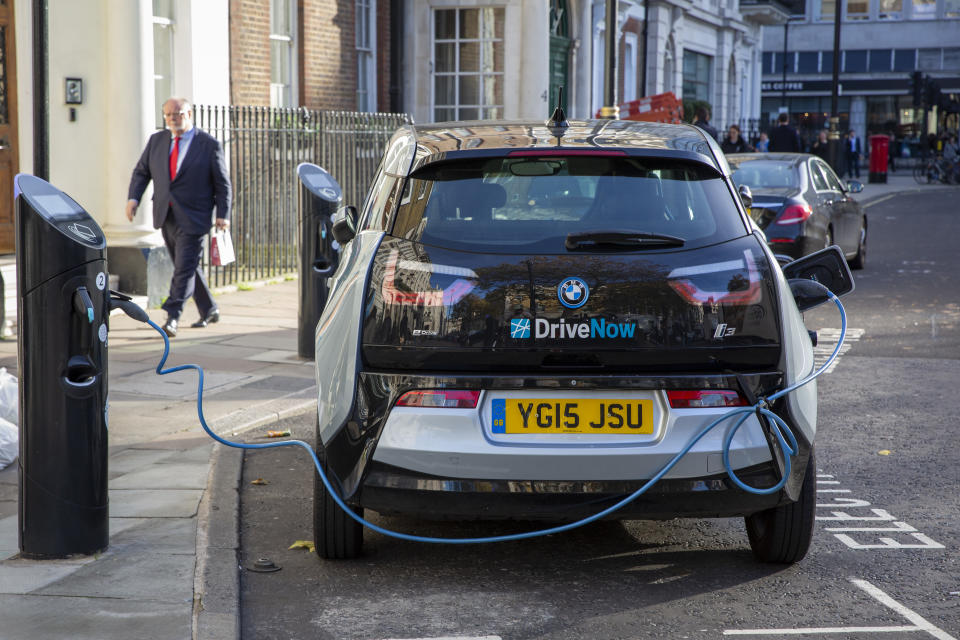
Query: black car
x=530 y=320
x=801 y=205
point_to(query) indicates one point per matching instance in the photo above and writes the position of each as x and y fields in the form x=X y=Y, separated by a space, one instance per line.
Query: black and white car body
x=529 y=322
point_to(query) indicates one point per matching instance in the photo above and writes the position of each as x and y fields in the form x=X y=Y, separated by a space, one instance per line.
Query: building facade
x=470 y=59
x=881 y=43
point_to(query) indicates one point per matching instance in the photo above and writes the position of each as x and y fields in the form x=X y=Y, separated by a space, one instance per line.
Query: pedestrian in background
x=734 y=142
x=763 y=144
x=702 y=119
x=821 y=148
x=854 y=151
x=189 y=178
x=784 y=137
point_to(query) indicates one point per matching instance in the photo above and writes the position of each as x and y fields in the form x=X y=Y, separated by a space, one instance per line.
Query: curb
x=216 y=600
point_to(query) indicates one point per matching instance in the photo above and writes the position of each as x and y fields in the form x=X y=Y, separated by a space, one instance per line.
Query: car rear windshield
x=532 y=204
x=765 y=174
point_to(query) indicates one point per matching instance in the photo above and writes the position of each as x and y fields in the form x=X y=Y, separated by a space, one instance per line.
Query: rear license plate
x=603 y=415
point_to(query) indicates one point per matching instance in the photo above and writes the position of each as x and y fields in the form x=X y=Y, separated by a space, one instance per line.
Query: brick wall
x=250 y=52
x=327 y=56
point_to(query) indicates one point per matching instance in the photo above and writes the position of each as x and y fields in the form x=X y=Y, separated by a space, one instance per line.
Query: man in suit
x=189 y=178
x=784 y=138
x=853 y=154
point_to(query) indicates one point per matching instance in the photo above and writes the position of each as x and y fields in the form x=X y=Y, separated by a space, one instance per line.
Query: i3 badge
x=573 y=293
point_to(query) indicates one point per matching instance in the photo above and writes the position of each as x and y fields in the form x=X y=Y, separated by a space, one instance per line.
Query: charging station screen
x=56 y=205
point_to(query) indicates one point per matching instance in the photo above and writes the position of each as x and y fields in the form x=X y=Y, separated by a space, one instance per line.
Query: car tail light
x=738 y=290
x=445 y=398
x=565 y=152
x=705 y=398
x=779 y=240
x=795 y=214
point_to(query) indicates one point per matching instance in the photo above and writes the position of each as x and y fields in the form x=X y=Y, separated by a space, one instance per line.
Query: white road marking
x=452 y=638
x=827 y=341
x=919 y=623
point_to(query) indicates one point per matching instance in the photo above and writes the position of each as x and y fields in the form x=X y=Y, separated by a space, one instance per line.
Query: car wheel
x=783 y=534
x=336 y=535
x=860 y=260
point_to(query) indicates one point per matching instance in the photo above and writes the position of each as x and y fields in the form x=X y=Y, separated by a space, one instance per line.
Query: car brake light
x=443 y=398
x=705 y=398
x=739 y=290
x=565 y=152
x=795 y=214
x=780 y=239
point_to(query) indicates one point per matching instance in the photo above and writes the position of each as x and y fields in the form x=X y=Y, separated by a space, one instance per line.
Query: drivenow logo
x=595 y=328
x=520 y=328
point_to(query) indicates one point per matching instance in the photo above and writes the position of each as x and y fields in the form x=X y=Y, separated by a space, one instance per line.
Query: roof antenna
x=558 y=121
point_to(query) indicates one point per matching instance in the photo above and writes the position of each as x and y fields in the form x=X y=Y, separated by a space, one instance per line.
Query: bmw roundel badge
x=573 y=293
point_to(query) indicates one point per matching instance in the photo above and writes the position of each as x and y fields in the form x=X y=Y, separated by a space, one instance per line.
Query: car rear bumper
x=391 y=490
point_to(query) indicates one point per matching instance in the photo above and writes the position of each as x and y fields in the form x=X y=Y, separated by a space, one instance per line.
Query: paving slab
x=154 y=503
x=29 y=616
x=182 y=475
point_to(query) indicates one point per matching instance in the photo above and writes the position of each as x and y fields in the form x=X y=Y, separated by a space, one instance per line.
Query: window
x=858 y=9
x=468 y=64
x=827 y=10
x=281 y=53
x=928 y=59
x=697 y=70
x=890 y=9
x=808 y=62
x=951 y=8
x=366 y=55
x=826 y=61
x=880 y=59
x=904 y=59
x=768 y=62
x=523 y=205
x=951 y=59
x=924 y=10
x=819 y=182
x=855 y=61
x=163 y=23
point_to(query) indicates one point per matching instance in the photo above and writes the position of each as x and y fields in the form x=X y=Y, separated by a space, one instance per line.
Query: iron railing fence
x=263 y=147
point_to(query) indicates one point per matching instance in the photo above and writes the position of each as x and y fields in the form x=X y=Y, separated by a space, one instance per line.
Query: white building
x=482 y=59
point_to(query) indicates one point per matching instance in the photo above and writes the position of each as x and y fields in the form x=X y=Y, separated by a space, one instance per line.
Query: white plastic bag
x=9 y=399
x=9 y=443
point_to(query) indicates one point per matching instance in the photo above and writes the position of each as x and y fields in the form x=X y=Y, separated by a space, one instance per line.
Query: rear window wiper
x=620 y=240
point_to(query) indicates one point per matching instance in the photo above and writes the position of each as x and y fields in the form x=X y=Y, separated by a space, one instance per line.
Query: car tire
x=783 y=534
x=859 y=261
x=336 y=536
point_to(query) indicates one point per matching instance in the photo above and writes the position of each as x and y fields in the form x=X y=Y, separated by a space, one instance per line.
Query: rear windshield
x=765 y=174
x=531 y=204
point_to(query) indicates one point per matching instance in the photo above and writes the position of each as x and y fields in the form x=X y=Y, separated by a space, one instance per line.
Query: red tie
x=173 y=158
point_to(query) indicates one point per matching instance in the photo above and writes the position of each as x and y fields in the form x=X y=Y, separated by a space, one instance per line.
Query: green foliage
x=690 y=108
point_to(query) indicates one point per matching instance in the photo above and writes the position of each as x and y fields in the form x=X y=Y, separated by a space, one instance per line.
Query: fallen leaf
x=303 y=544
x=278 y=434
x=259 y=481
x=884 y=452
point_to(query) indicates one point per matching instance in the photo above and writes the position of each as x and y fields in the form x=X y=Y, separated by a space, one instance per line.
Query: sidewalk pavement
x=171 y=568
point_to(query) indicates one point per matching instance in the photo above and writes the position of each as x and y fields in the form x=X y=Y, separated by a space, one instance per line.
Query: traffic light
x=916 y=88
x=932 y=93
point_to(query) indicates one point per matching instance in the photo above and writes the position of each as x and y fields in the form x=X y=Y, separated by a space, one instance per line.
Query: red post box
x=879 y=156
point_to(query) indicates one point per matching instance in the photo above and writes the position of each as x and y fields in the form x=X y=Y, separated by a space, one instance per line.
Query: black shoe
x=210 y=318
x=170 y=327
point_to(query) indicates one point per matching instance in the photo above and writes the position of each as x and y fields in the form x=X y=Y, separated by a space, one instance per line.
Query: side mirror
x=344 y=224
x=828 y=267
x=747 y=196
x=854 y=186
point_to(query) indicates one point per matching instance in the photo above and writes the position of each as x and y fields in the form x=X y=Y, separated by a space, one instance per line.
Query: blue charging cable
x=785 y=439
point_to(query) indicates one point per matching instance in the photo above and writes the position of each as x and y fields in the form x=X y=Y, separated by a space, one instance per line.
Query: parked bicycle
x=936 y=169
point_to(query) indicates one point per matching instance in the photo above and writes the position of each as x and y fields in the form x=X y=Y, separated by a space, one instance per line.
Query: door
x=559 y=54
x=8 y=125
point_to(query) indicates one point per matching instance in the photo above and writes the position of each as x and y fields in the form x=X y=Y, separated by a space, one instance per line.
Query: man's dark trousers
x=853 y=164
x=185 y=250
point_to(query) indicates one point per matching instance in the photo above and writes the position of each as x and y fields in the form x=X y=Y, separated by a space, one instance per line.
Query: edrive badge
x=573 y=293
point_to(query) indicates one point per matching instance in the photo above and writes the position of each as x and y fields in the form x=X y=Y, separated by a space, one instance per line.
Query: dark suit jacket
x=201 y=183
x=784 y=138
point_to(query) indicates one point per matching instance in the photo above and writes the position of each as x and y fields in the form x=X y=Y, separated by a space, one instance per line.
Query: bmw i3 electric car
x=529 y=321
x=801 y=204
